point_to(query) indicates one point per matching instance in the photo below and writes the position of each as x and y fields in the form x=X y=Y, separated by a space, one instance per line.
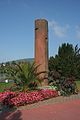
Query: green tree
x=67 y=62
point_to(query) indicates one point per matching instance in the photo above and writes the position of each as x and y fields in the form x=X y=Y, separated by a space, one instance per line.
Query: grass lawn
x=4 y=85
x=78 y=84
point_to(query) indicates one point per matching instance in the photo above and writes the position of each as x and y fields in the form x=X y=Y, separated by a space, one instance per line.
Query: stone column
x=41 y=48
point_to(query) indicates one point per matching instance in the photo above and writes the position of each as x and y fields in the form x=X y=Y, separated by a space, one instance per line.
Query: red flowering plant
x=32 y=97
x=5 y=98
x=26 y=98
x=47 y=93
x=13 y=99
x=6 y=94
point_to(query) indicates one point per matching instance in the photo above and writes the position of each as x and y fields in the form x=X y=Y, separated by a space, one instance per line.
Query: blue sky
x=17 y=25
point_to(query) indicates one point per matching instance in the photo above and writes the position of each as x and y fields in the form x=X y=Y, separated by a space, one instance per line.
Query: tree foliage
x=64 y=69
x=67 y=61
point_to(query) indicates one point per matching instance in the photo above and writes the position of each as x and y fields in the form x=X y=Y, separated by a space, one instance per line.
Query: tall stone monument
x=41 y=48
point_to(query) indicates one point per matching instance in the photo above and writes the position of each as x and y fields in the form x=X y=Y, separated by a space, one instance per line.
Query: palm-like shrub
x=24 y=75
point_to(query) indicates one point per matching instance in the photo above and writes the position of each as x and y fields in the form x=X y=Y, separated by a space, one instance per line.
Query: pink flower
x=11 y=98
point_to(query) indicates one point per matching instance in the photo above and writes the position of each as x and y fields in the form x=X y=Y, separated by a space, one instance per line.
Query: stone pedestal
x=41 y=48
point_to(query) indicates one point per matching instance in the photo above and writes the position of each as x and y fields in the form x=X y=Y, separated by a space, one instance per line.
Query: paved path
x=68 y=110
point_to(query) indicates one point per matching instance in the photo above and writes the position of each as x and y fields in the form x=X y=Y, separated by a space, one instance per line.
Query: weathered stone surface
x=41 y=47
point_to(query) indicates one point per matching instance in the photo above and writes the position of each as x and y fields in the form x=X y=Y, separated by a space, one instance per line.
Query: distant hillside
x=25 y=60
x=21 y=60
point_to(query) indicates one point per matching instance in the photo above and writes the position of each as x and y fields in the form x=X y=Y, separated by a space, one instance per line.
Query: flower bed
x=6 y=95
x=13 y=99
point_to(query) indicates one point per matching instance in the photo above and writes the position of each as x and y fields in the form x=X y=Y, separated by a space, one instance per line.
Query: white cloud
x=58 y=30
x=78 y=32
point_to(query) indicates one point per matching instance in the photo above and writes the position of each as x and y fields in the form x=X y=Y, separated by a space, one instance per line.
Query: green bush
x=25 y=75
x=66 y=86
